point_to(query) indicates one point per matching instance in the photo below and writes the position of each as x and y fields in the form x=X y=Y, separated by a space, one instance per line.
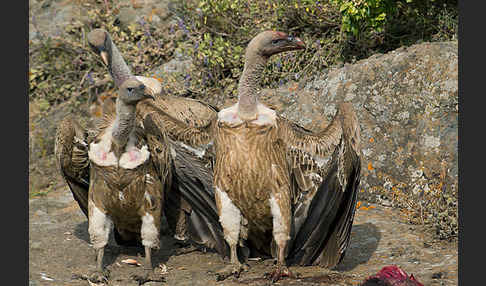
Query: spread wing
x=325 y=188
x=190 y=145
x=194 y=133
x=187 y=121
x=189 y=111
x=71 y=150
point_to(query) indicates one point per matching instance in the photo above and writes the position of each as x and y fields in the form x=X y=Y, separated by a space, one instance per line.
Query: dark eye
x=141 y=86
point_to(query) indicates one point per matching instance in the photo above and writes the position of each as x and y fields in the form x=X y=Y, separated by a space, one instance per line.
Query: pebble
x=36 y=245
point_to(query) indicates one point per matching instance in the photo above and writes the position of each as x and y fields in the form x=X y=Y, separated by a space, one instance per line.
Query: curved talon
x=278 y=273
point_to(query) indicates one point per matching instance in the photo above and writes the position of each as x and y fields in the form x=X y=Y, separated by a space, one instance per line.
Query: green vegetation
x=214 y=34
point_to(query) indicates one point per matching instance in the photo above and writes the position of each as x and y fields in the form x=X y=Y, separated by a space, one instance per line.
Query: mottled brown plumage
x=126 y=188
x=190 y=174
x=181 y=212
x=71 y=150
x=260 y=157
x=251 y=166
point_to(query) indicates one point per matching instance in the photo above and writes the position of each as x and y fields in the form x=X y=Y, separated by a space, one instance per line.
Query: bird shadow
x=113 y=250
x=81 y=231
x=363 y=243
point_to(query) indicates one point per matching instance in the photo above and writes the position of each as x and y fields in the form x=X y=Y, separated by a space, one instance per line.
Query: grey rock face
x=407 y=105
x=49 y=18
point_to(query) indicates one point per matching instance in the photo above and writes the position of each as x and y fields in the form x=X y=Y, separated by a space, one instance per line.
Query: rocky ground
x=59 y=250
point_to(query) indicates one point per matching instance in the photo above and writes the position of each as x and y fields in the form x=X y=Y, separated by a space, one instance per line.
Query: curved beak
x=104 y=56
x=299 y=44
x=148 y=93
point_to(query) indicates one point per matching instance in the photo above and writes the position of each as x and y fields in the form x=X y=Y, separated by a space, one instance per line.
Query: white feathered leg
x=99 y=229
x=230 y=219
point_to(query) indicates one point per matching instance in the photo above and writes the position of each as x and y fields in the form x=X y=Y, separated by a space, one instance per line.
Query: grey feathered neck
x=249 y=84
x=117 y=67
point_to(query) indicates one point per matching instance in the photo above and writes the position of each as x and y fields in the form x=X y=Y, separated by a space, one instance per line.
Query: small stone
x=127 y=16
x=179 y=34
x=438 y=275
x=40 y=213
x=36 y=245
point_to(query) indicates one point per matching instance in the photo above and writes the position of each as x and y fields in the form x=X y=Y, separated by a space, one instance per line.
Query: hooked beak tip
x=150 y=96
x=300 y=44
x=104 y=56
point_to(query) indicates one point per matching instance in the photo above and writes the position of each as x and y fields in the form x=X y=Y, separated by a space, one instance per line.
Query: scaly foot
x=278 y=273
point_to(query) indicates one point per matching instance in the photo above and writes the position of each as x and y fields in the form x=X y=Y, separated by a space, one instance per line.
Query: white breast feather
x=131 y=158
x=266 y=116
x=98 y=152
x=141 y=155
x=229 y=115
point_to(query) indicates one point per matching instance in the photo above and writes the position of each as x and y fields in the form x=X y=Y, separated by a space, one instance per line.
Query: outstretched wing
x=189 y=130
x=193 y=176
x=325 y=188
x=189 y=111
x=71 y=150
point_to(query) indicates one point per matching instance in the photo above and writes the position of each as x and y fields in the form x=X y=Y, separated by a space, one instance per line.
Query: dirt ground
x=60 y=251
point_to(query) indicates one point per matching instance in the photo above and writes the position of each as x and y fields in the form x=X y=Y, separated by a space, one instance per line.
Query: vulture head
x=98 y=40
x=132 y=91
x=269 y=43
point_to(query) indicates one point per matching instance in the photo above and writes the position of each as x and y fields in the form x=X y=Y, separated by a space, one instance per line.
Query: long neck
x=124 y=123
x=117 y=67
x=249 y=85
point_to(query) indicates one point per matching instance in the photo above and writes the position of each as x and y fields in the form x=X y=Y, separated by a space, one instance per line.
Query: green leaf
x=381 y=17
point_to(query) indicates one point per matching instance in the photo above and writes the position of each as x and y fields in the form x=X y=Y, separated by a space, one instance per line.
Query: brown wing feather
x=189 y=111
x=326 y=195
x=192 y=180
x=304 y=146
x=71 y=150
x=159 y=148
x=194 y=136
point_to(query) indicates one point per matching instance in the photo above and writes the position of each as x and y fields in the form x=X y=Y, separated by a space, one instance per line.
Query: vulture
x=279 y=189
x=190 y=177
x=126 y=188
x=391 y=276
x=185 y=179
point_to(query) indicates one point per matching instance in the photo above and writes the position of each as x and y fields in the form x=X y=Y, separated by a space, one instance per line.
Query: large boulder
x=407 y=105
